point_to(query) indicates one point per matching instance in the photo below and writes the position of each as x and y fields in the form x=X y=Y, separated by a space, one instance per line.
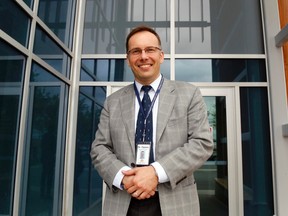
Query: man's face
x=144 y=64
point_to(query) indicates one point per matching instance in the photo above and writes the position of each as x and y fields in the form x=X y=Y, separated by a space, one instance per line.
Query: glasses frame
x=148 y=50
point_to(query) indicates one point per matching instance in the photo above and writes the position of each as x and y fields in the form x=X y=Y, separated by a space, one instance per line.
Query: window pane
x=107 y=23
x=256 y=152
x=105 y=70
x=212 y=178
x=218 y=26
x=14 y=21
x=29 y=3
x=112 y=70
x=12 y=66
x=45 y=144
x=51 y=53
x=58 y=16
x=220 y=70
x=87 y=182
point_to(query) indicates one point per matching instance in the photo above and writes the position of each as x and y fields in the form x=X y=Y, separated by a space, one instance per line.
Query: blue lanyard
x=152 y=102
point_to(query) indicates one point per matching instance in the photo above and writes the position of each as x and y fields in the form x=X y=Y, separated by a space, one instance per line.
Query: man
x=180 y=141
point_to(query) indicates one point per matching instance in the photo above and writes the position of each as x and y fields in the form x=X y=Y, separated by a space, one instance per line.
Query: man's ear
x=162 y=57
x=127 y=60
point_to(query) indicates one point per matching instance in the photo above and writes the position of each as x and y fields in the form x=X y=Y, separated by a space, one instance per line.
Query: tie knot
x=146 y=88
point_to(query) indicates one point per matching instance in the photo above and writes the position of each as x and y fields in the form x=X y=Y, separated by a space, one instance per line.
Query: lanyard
x=152 y=102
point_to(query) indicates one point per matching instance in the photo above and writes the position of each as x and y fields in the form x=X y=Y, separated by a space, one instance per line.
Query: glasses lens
x=138 y=51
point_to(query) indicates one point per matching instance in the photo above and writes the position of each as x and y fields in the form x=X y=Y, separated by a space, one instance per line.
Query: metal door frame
x=234 y=150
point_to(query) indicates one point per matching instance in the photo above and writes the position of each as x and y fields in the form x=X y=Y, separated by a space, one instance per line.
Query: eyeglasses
x=147 y=50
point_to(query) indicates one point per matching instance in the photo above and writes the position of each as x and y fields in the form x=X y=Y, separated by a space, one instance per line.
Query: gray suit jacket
x=183 y=144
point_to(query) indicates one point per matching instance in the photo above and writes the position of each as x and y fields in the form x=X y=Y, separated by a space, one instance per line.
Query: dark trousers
x=147 y=207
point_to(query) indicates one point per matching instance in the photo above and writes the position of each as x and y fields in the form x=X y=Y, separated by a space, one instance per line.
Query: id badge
x=143 y=153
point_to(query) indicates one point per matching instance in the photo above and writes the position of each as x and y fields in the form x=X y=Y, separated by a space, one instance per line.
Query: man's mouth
x=145 y=66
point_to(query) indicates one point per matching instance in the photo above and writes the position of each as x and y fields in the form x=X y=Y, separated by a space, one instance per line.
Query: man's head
x=141 y=29
x=144 y=54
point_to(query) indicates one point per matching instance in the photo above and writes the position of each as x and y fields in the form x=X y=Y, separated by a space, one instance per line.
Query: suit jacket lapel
x=167 y=100
x=127 y=110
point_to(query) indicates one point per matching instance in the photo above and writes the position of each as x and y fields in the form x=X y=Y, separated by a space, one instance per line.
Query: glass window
x=112 y=70
x=220 y=70
x=218 y=26
x=14 y=21
x=50 y=52
x=12 y=66
x=212 y=178
x=105 y=70
x=44 y=145
x=256 y=152
x=107 y=23
x=29 y=3
x=87 y=182
x=58 y=15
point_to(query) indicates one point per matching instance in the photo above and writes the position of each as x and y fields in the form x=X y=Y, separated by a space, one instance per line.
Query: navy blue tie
x=146 y=103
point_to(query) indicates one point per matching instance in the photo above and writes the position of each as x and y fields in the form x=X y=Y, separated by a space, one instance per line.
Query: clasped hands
x=140 y=182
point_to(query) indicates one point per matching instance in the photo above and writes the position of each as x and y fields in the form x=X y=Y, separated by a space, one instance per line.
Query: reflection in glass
x=218 y=27
x=220 y=70
x=112 y=70
x=14 y=21
x=58 y=16
x=50 y=52
x=104 y=70
x=87 y=182
x=12 y=66
x=29 y=3
x=212 y=177
x=256 y=152
x=107 y=23
x=45 y=144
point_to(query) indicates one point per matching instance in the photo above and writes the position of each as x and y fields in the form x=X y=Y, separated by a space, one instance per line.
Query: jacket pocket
x=176 y=121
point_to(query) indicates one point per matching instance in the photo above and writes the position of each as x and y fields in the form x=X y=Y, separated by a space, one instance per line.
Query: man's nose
x=144 y=54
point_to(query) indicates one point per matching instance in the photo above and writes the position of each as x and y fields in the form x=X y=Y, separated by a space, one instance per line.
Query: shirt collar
x=154 y=84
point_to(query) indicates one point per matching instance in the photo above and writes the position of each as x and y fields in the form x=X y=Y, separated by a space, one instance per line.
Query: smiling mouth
x=145 y=66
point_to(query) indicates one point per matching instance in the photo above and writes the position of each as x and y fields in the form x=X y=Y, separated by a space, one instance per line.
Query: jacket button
x=133 y=165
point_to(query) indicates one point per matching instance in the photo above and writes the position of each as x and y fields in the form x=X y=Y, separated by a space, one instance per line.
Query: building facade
x=60 y=59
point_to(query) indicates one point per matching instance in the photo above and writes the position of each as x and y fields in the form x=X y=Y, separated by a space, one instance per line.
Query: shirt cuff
x=119 y=176
x=162 y=176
